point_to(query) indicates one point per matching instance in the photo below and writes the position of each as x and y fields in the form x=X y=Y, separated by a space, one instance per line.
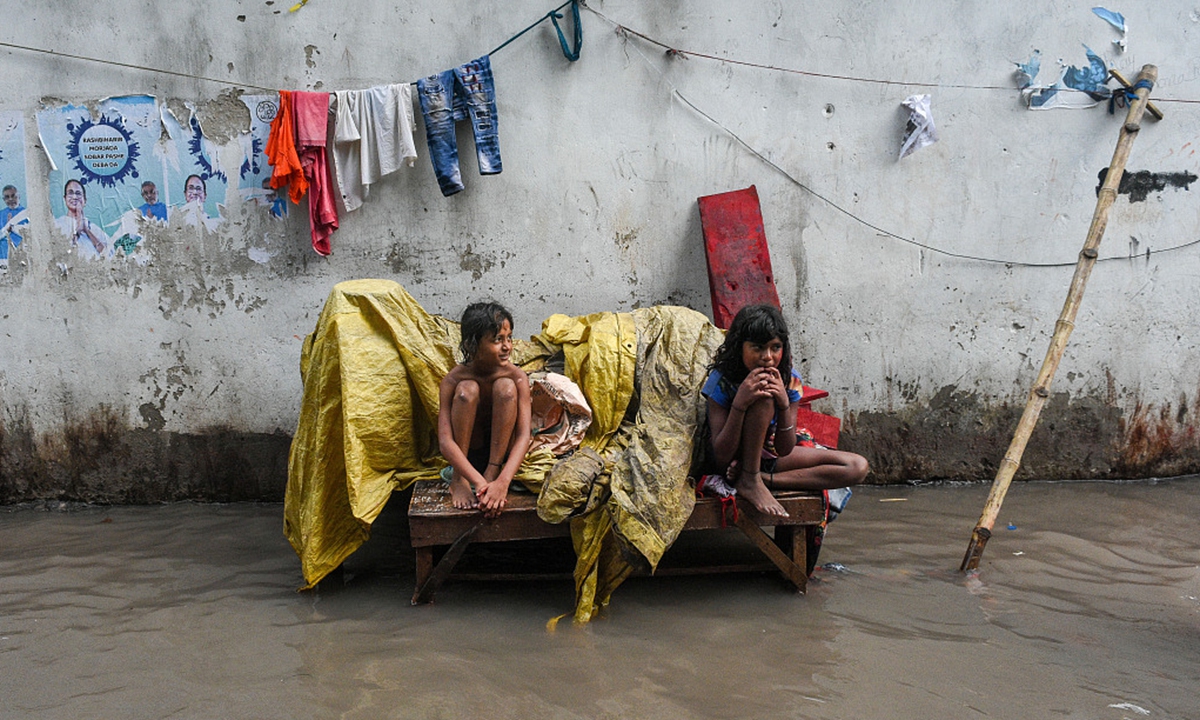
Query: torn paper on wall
x=920 y=130
x=1115 y=19
x=13 y=215
x=194 y=174
x=254 y=175
x=1075 y=88
x=1027 y=72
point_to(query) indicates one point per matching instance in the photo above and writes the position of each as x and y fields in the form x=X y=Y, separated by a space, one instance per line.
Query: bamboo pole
x=1064 y=326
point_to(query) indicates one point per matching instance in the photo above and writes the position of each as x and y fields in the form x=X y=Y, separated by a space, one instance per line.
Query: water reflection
x=1088 y=608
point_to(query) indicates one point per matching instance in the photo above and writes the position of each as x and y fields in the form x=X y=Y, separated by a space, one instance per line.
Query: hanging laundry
x=312 y=130
x=465 y=92
x=374 y=136
x=281 y=151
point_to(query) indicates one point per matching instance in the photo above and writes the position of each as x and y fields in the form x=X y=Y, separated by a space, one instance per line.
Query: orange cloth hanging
x=281 y=151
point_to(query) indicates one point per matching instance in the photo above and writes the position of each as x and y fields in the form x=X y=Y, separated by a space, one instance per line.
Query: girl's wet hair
x=756 y=324
x=478 y=320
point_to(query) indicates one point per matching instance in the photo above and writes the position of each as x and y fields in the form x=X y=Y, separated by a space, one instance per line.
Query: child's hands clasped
x=762 y=382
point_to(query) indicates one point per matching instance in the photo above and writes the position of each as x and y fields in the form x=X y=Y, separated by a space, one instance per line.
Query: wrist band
x=496 y=464
x=789 y=427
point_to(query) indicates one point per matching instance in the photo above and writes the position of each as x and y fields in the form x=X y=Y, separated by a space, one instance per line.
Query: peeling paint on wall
x=475 y=263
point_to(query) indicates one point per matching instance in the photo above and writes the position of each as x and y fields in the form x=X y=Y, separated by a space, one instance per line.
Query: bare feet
x=751 y=487
x=462 y=495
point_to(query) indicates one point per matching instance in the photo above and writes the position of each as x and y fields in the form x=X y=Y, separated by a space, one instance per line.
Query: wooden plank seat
x=434 y=522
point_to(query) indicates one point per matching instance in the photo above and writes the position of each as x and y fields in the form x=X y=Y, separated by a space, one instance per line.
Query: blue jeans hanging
x=466 y=92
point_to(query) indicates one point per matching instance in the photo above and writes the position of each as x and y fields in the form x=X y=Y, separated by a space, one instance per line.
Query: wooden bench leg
x=792 y=572
x=424 y=565
x=813 y=549
x=428 y=581
x=792 y=540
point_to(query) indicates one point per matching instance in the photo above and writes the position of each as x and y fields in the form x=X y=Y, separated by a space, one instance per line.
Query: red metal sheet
x=739 y=261
x=739 y=273
x=824 y=428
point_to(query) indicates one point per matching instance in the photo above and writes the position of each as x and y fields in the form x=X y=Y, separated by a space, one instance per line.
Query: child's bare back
x=484 y=412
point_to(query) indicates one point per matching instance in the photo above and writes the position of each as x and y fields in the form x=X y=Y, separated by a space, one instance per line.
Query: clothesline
x=674 y=51
x=554 y=16
x=862 y=221
x=572 y=54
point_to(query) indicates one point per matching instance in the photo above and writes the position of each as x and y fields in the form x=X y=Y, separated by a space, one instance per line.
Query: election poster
x=255 y=174
x=104 y=178
x=193 y=171
x=13 y=215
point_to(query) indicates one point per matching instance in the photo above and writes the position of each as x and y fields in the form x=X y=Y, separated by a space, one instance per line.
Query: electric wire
x=624 y=32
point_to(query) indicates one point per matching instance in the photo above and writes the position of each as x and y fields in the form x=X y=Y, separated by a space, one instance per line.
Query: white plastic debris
x=920 y=129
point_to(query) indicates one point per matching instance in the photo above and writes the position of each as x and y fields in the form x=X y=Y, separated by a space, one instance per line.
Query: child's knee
x=466 y=392
x=858 y=467
x=504 y=391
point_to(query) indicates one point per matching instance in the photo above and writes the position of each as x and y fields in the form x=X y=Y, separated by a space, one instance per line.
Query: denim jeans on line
x=464 y=92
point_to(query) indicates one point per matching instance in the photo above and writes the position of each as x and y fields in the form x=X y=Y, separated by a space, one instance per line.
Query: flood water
x=1086 y=606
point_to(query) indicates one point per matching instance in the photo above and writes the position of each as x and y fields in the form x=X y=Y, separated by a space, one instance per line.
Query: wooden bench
x=434 y=522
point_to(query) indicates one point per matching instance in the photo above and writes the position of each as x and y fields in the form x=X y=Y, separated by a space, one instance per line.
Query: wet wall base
x=101 y=459
x=955 y=435
x=958 y=436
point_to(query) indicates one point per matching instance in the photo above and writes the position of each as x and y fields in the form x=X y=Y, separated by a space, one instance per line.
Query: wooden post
x=1066 y=322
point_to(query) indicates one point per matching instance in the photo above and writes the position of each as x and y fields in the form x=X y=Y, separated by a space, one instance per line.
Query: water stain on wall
x=1163 y=439
x=99 y=458
x=955 y=435
x=958 y=436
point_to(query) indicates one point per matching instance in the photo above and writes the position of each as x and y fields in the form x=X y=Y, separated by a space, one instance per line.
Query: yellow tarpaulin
x=649 y=497
x=367 y=425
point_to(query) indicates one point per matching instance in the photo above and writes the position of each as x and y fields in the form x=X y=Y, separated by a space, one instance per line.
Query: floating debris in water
x=1130 y=706
x=836 y=567
x=1012 y=527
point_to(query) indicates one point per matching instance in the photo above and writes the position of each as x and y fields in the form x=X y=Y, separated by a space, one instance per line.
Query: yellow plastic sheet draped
x=368 y=417
x=368 y=426
x=649 y=498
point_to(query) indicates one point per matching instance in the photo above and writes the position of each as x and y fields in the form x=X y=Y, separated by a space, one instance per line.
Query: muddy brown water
x=1087 y=608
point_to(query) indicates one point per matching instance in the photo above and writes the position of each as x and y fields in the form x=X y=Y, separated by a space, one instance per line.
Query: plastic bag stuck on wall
x=920 y=130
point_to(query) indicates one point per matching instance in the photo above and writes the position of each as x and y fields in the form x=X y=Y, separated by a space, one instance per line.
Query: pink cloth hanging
x=312 y=123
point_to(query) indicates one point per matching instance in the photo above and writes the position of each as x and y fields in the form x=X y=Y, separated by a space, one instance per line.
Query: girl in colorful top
x=752 y=416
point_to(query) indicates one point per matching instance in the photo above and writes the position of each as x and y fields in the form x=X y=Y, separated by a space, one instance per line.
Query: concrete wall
x=178 y=377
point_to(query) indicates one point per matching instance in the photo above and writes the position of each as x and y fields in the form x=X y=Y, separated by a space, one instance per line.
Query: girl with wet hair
x=752 y=416
x=478 y=320
x=484 y=412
